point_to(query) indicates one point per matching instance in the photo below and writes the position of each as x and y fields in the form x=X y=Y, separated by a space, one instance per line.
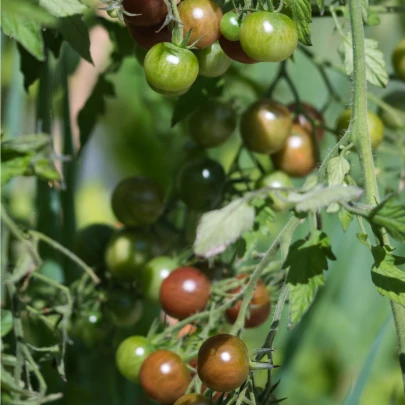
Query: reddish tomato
x=184 y=292
x=312 y=113
x=260 y=305
x=234 y=50
x=146 y=37
x=164 y=377
x=297 y=156
x=151 y=12
x=203 y=17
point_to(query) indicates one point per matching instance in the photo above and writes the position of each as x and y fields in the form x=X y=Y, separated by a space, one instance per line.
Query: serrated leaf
x=63 y=8
x=25 y=144
x=218 y=229
x=302 y=16
x=388 y=279
x=338 y=167
x=345 y=218
x=322 y=196
x=6 y=322
x=376 y=71
x=306 y=261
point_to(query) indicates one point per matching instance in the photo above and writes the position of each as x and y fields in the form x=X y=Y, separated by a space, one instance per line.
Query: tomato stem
x=177 y=36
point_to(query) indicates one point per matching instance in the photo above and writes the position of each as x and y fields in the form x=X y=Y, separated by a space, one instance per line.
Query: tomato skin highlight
x=268 y=37
x=230 y=26
x=213 y=61
x=169 y=69
x=164 y=377
x=234 y=50
x=147 y=37
x=151 y=12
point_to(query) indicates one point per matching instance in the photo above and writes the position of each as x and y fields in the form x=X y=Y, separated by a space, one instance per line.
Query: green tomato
x=169 y=69
x=277 y=179
x=375 y=126
x=212 y=124
x=113 y=13
x=398 y=60
x=201 y=184
x=153 y=275
x=124 y=307
x=396 y=100
x=91 y=328
x=268 y=37
x=130 y=355
x=230 y=26
x=127 y=253
x=213 y=61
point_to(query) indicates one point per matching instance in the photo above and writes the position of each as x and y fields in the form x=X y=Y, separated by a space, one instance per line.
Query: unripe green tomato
x=130 y=355
x=212 y=124
x=169 y=69
x=375 y=126
x=398 y=60
x=91 y=328
x=113 y=13
x=277 y=179
x=230 y=26
x=124 y=307
x=396 y=100
x=153 y=275
x=127 y=253
x=213 y=61
x=268 y=37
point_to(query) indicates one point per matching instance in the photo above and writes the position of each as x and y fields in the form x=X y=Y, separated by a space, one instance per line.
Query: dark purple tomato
x=234 y=50
x=147 y=37
x=151 y=12
x=312 y=113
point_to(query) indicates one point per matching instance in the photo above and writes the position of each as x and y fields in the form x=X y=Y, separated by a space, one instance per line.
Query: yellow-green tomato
x=375 y=126
x=398 y=60
x=213 y=61
x=130 y=355
x=268 y=37
x=277 y=179
x=156 y=270
x=395 y=119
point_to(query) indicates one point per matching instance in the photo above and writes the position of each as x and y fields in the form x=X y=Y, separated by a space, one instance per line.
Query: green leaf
x=63 y=8
x=74 y=31
x=218 y=229
x=338 y=167
x=306 y=261
x=388 y=279
x=302 y=16
x=30 y=67
x=95 y=106
x=363 y=238
x=376 y=71
x=321 y=5
x=25 y=144
x=45 y=169
x=322 y=196
x=27 y=10
x=18 y=166
x=364 y=9
x=345 y=218
x=6 y=322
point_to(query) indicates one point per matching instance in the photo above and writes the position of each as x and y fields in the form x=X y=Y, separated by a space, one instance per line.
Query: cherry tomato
x=164 y=377
x=223 y=363
x=265 y=126
x=312 y=113
x=193 y=399
x=212 y=124
x=113 y=13
x=91 y=328
x=234 y=50
x=375 y=126
x=147 y=37
x=201 y=184
x=276 y=179
x=91 y=242
x=396 y=100
x=127 y=252
x=213 y=61
x=398 y=60
x=153 y=275
x=260 y=305
x=230 y=26
x=268 y=37
x=124 y=307
x=184 y=292
x=151 y=12
x=297 y=156
x=169 y=69
x=130 y=355
x=203 y=18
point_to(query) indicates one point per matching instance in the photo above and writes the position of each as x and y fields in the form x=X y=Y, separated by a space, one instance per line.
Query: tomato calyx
x=115 y=9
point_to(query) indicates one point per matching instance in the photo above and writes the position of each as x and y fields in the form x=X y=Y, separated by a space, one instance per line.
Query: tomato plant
x=213 y=61
x=147 y=37
x=147 y=13
x=398 y=60
x=230 y=26
x=234 y=50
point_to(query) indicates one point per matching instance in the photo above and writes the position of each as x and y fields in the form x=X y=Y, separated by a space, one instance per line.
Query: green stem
x=178 y=28
x=361 y=135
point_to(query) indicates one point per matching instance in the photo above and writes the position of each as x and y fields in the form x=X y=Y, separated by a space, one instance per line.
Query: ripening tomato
x=193 y=399
x=296 y=158
x=212 y=124
x=230 y=26
x=164 y=377
x=265 y=126
x=398 y=60
x=260 y=305
x=396 y=100
x=234 y=50
x=203 y=18
x=124 y=307
x=137 y=201
x=268 y=37
x=169 y=69
x=223 y=363
x=150 y=12
x=130 y=355
x=375 y=126
x=147 y=37
x=213 y=61
x=312 y=113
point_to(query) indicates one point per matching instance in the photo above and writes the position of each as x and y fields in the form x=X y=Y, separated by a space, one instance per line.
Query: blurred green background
x=344 y=349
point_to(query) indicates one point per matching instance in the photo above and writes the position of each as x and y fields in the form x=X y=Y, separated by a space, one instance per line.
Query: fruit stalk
x=178 y=27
